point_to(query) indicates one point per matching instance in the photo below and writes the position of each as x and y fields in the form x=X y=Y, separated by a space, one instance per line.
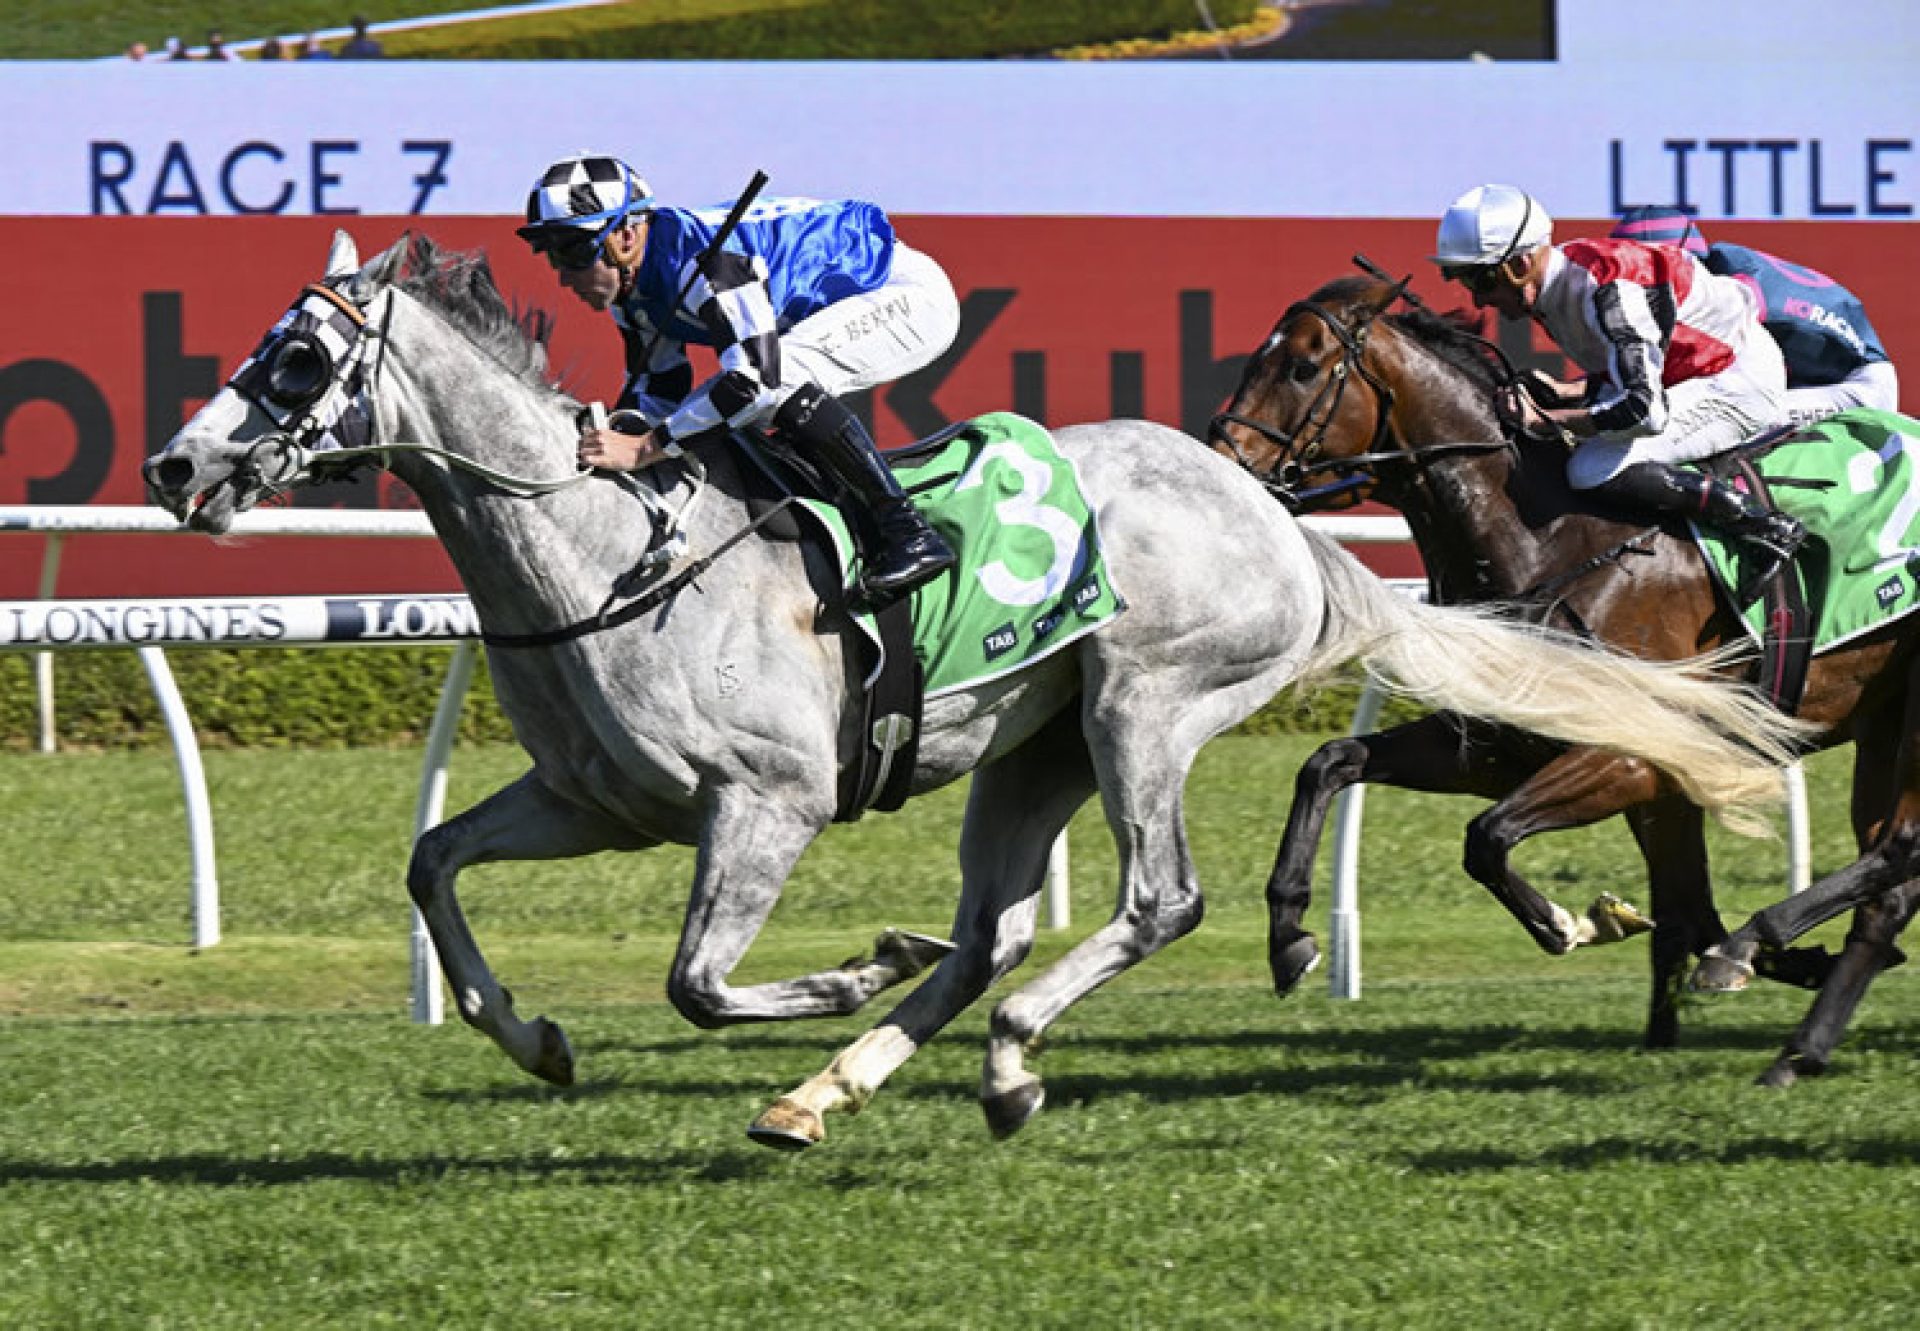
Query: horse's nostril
x=169 y=474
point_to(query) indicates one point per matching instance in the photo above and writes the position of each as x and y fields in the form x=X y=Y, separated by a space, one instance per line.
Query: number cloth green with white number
x=1853 y=480
x=1030 y=579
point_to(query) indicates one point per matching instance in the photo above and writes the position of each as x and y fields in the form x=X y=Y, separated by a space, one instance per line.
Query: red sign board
x=119 y=328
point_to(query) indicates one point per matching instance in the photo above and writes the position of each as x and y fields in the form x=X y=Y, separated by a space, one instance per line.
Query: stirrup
x=884 y=588
x=1766 y=556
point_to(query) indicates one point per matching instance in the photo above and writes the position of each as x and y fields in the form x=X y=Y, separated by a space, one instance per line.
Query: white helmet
x=1489 y=224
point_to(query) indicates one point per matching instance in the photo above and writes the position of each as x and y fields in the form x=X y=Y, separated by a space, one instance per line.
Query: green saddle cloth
x=1853 y=481
x=1031 y=576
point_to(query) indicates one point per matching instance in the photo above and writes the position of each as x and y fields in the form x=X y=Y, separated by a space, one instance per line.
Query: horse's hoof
x=1788 y=1069
x=909 y=953
x=1009 y=1111
x=555 y=1063
x=1720 y=974
x=787 y=1125
x=1293 y=963
x=1615 y=920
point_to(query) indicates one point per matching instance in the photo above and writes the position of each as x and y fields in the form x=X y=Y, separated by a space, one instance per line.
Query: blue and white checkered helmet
x=585 y=192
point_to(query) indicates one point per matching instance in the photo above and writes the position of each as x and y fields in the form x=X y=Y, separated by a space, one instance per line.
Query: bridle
x=1303 y=444
x=314 y=376
x=1294 y=481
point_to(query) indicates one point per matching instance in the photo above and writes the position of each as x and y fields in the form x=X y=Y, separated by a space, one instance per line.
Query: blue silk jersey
x=814 y=254
x=1821 y=326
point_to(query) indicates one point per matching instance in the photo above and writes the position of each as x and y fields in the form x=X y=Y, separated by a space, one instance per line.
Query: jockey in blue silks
x=804 y=301
x=1834 y=357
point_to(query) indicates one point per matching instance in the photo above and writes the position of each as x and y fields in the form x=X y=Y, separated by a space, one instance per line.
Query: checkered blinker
x=310 y=373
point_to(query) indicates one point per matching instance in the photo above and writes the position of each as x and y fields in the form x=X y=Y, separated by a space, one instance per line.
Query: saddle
x=1786 y=636
x=894 y=695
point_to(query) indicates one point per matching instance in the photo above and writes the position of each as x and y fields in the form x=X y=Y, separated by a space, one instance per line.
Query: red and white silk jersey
x=1639 y=319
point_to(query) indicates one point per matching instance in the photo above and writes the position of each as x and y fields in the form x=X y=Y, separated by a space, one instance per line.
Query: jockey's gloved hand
x=595 y=416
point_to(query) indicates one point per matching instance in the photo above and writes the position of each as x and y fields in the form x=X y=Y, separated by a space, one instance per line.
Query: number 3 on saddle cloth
x=1030 y=579
x=1854 y=481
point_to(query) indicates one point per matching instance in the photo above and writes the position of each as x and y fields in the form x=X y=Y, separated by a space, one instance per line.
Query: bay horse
x=1351 y=398
x=708 y=700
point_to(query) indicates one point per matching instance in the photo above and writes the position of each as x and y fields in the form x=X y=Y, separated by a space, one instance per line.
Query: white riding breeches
x=1874 y=384
x=1704 y=417
x=876 y=337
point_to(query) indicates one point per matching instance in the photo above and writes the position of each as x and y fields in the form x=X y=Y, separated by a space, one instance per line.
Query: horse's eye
x=298 y=372
x=1303 y=371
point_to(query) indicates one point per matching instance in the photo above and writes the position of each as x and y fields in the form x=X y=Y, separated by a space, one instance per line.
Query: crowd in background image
x=362 y=45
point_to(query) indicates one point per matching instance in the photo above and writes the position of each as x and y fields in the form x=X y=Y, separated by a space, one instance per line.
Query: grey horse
x=718 y=715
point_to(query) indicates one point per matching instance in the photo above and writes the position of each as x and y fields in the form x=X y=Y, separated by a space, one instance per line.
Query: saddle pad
x=1853 y=480
x=1031 y=578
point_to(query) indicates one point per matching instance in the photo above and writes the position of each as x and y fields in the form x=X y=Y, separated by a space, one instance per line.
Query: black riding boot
x=905 y=552
x=1766 y=536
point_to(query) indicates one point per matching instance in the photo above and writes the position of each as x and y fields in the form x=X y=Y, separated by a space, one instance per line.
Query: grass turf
x=255 y=1136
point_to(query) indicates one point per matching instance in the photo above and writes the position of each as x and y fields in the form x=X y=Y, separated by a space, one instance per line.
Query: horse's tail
x=1718 y=739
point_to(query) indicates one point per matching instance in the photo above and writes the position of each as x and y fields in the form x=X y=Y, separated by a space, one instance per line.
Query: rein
x=610 y=617
x=279 y=458
x=1293 y=482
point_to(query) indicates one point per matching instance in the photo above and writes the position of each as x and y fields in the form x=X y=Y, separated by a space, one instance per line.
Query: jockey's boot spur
x=903 y=551
x=1766 y=537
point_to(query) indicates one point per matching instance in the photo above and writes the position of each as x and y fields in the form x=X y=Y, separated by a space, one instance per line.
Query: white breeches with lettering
x=876 y=337
x=1874 y=384
x=1704 y=417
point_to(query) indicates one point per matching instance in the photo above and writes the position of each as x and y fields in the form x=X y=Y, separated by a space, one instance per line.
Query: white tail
x=1718 y=739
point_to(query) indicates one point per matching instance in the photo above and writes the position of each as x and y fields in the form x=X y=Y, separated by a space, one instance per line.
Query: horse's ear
x=344 y=256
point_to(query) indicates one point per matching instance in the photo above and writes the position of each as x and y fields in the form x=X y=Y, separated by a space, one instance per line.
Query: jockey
x=804 y=301
x=1834 y=358
x=1679 y=368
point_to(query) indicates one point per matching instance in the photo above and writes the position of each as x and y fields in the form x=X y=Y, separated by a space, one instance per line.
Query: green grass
x=254 y=1136
x=650 y=30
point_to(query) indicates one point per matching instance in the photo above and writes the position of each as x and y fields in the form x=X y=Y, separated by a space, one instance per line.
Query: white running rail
x=46 y=626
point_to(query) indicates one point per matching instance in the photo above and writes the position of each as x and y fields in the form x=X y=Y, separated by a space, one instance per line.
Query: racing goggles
x=572 y=249
x=1477 y=278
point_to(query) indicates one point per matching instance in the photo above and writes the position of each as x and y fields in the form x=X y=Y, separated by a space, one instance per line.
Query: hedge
x=291 y=697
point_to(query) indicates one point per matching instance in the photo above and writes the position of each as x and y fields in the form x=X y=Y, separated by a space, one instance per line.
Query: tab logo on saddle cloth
x=1854 y=480
x=1031 y=577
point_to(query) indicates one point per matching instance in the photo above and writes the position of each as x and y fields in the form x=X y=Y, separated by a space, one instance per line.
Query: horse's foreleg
x=1671 y=833
x=1440 y=753
x=1015 y=809
x=524 y=821
x=747 y=853
x=1579 y=787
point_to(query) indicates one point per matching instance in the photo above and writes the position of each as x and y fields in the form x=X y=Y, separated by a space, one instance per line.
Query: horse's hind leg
x=1869 y=950
x=1142 y=756
x=1016 y=807
x=1869 y=947
x=524 y=821
x=1440 y=753
x=1886 y=820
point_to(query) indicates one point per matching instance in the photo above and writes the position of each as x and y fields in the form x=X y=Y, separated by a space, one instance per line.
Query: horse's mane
x=1453 y=336
x=459 y=286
